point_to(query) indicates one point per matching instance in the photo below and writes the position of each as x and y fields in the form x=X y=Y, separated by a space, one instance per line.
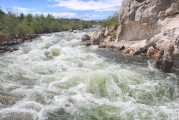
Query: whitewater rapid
x=55 y=78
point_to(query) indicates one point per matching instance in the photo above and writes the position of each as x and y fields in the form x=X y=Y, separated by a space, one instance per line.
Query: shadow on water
x=113 y=56
x=139 y=61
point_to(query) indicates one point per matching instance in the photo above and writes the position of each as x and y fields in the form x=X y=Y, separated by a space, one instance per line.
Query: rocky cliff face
x=151 y=20
x=148 y=27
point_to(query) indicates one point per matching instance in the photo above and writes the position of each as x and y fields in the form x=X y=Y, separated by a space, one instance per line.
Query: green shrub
x=28 y=24
x=110 y=21
x=23 y=29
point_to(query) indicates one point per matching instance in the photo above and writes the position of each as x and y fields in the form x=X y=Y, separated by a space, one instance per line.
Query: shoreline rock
x=164 y=57
x=165 y=60
x=145 y=27
x=6 y=41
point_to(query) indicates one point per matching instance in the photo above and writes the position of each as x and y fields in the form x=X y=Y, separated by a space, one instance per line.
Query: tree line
x=23 y=25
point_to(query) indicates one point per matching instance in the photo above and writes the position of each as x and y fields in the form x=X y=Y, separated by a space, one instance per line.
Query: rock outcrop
x=145 y=26
x=154 y=25
x=98 y=37
x=154 y=20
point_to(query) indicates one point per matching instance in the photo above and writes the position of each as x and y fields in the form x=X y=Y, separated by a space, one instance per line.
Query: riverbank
x=164 y=56
x=17 y=28
x=150 y=28
x=6 y=41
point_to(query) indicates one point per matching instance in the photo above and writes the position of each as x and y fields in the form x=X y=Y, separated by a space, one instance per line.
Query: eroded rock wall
x=154 y=20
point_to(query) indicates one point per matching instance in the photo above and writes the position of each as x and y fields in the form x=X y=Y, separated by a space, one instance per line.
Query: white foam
x=63 y=80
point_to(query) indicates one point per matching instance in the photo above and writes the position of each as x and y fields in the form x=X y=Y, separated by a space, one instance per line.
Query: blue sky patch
x=82 y=9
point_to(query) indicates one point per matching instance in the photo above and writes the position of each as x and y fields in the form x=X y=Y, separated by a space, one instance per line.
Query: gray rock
x=106 y=33
x=85 y=37
x=103 y=30
x=149 y=19
x=97 y=37
x=166 y=60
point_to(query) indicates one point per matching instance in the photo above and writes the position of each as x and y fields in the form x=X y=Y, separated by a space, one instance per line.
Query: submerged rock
x=6 y=100
x=88 y=44
x=75 y=31
x=5 y=97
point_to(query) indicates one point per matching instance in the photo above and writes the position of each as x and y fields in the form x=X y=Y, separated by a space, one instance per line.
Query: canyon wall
x=151 y=20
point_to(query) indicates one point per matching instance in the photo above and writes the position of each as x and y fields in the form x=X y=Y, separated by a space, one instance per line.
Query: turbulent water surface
x=55 y=78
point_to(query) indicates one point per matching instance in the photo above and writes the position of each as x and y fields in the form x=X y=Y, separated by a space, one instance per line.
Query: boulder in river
x=97 y=37
x=85 y=37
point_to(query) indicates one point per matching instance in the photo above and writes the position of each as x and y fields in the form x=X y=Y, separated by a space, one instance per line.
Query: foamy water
x=55 y=78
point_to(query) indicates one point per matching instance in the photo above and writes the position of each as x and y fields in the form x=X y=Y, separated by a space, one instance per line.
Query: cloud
x=25 y=10
x=39 y=12
x=97 y=5
x=93 y=16
x=87 y=16
x=63 y=14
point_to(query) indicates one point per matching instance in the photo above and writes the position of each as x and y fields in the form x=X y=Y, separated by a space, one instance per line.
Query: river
x=55 y=78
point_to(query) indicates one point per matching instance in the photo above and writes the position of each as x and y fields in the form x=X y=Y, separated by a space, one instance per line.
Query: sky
x=81 y=9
